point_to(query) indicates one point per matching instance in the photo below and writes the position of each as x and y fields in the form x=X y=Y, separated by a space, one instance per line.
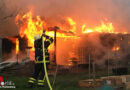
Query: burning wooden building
x=74 y=43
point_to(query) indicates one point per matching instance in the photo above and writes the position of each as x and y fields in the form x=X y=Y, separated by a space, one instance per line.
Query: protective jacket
x=39 y=49
x=39 y=72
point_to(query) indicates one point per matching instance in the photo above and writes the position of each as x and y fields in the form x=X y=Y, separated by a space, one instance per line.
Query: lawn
x=66 y=81
x=63 y=82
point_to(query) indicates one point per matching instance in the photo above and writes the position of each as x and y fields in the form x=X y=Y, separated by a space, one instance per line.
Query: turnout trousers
x=38 y=75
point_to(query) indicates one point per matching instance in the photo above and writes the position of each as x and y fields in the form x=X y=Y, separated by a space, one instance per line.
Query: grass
x=67 y=81
x=63 y=82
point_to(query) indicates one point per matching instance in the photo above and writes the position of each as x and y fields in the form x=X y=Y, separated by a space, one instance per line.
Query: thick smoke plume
x=90 y=12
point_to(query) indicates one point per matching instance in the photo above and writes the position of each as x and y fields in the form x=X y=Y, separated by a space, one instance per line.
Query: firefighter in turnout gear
x=39 y=73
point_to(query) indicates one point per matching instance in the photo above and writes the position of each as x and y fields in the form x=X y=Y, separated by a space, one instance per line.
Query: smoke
x=90 y=12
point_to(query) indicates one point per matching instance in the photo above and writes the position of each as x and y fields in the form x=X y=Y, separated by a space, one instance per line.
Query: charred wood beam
x=55 y=30
x=68 y=33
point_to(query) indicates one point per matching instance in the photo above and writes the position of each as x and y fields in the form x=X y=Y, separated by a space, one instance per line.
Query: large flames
x=30 y=26
x=105 y=27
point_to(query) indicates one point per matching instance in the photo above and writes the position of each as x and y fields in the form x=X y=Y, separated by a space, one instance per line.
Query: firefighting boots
x=40 y=83
x=31 y=82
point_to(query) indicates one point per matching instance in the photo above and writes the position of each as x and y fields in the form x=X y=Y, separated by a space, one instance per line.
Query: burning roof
x=30 y=25
x=71 y=35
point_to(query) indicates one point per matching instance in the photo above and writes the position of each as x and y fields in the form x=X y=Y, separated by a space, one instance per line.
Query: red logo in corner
x=1 y=81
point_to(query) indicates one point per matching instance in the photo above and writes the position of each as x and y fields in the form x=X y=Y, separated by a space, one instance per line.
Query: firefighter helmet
x=37 y=37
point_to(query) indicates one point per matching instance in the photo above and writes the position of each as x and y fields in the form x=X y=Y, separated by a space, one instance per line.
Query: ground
x=67 y=81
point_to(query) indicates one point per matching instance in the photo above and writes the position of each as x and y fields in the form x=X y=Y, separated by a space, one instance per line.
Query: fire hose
x=45 y=69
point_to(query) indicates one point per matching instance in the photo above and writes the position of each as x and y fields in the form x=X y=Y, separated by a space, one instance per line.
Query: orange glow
x=17 y=46
x=29 y=26
x=105 y=28
x=16 y=42
x=129 y=42
x=72 y=23
x=116 y=48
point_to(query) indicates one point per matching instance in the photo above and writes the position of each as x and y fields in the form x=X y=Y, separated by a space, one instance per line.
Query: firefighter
x=39 y=73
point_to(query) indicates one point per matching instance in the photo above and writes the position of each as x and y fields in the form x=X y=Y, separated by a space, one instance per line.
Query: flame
x=72 y=23
x=30 y=26
x=17 y=46
x=116 y=48
x=86 y=30
x=105 y=28
x=16 y=42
